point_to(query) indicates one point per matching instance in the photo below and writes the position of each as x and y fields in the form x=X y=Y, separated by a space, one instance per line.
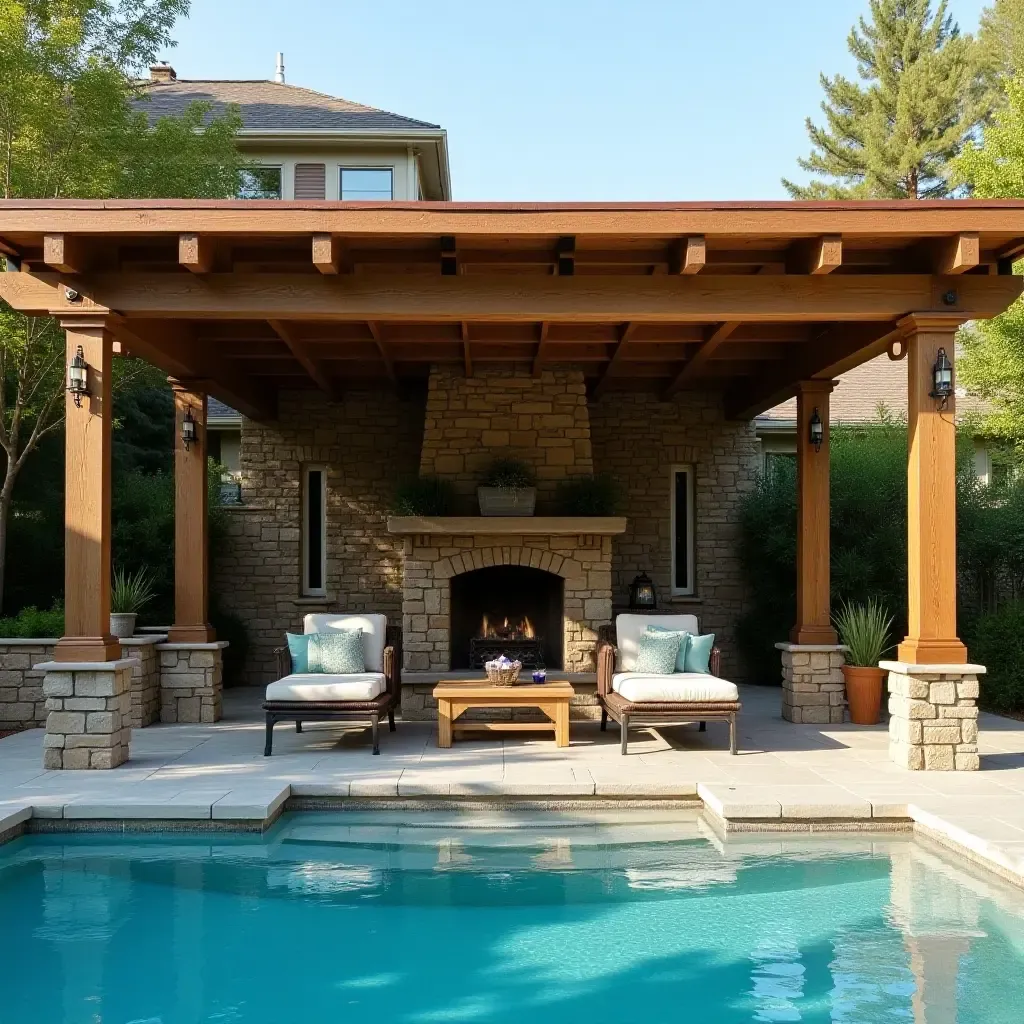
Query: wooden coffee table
x=459 y=695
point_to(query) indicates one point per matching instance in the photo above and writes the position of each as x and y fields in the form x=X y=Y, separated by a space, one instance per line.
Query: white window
x=367 y=183
x=681 y=501
x=260 y=183
x=314 y=531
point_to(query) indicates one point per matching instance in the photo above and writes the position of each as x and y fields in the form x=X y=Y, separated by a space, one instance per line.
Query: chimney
x=162 y=72
x=279 y=73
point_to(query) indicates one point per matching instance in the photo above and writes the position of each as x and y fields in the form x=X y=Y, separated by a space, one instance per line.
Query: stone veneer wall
x=22 y=704
x=368 y=442
x=637 y=439
x=470 y=421
x=584 y=563
x=191 y=682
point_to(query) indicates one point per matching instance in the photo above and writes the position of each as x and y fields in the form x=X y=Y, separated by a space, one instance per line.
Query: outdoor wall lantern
x=942 y=377
x=816 y=430
x=641 y=594
x=188 y=428
x=78 y=377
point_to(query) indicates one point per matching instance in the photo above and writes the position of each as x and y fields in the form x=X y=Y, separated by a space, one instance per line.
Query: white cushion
x=691 y=687
x=630 y=627
x=374 y=627
x=319 y=686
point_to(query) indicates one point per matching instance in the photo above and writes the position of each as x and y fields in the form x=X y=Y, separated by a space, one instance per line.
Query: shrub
x=588 y=496
x=424 y=496
x=864 y=629
x=998 y=644
x=509 y=475
x=30 y=622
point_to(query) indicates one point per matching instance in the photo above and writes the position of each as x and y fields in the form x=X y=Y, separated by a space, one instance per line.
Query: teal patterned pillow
x=684 y=643
x=657 y=653
x=337 y=653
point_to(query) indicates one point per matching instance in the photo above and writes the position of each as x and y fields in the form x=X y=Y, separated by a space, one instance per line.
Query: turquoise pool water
x=343 y=918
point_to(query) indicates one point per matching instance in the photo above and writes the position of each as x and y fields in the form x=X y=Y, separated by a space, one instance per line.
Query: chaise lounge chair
x=641 y=698
x=320 y=697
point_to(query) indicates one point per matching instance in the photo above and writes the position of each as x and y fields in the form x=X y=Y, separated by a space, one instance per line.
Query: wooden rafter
x=582 y=299
x=449 y=256
x=957 y=254
x=467 y=355
x=819 y=255
x=196 y=252
x=626 y=332
x=542 y=350
x=688 y=255
x=328 y=253
x=385 y=355
x=565 y=256
x=834 y=350
x=64 y=253
x=300 y=351
x=715 y=336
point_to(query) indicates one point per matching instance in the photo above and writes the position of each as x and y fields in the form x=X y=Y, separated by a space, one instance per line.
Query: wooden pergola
x=756 y=301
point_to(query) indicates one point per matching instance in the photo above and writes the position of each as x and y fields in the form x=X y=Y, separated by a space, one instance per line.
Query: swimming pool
x=423 y=918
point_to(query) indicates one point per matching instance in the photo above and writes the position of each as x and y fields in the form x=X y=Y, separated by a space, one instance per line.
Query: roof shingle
x=270 y=106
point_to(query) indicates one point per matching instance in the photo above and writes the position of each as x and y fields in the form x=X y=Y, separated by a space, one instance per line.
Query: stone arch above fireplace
x=583 y=563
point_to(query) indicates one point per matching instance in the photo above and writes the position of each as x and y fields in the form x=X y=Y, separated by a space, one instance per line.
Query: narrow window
x=682 y=529
x=259 y=183
x=314 y=532
x=367 y=183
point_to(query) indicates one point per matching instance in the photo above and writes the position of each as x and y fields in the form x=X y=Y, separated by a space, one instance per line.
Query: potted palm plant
x=128 y=593
x=864 y=631
x=507 y=489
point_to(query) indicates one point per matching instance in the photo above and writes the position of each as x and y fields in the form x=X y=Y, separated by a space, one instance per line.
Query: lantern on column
x=642 y=596
x=816 y=430
x=188 y=428
x=78 y=377
x=942 y=379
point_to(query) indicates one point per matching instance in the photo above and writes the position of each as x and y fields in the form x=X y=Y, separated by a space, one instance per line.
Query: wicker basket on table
x=503 y=676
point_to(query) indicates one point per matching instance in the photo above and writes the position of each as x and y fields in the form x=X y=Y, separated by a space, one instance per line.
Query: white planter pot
x=122 y=624
x=501 y=501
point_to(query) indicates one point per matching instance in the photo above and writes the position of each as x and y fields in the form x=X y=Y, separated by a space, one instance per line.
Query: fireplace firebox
x=514 y=610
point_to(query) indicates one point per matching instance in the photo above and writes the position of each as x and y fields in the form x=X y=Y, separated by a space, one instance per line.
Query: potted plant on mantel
x=864 y=631
x=507 y=489
x=128 y=593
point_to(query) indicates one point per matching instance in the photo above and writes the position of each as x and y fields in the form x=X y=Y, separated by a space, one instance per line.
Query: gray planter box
x=499 y=501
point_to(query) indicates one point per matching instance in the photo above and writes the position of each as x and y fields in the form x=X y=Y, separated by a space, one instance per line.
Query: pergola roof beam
x=956 y=254
x=64 y=253
x=819 y=255
x=716 y=336
x=196 y=252
x=378 y=337
x=328 y=253
x=688 y=255
x=626 y=332
x=541 y=354
x=301 y=353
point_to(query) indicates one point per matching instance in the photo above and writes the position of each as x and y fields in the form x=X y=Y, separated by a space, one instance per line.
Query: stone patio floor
x=784 y=774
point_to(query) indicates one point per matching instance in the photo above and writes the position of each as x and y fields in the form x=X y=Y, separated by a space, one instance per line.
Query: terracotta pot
x=864 y=692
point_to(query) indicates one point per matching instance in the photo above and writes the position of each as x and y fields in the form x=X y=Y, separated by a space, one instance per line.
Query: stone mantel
x=518 y=526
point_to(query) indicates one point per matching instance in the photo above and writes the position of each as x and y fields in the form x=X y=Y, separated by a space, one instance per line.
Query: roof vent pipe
x=279 y=74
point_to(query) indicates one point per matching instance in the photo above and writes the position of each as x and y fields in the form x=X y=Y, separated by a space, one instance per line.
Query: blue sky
x=562 y=99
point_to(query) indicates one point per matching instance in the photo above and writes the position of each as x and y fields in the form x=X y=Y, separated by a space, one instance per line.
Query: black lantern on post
x=816 y=430
x=642 y=597
x=188 y=428
x=942 y=379
x=78 y=377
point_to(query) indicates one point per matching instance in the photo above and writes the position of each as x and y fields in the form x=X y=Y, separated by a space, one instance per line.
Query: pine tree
x=922 y=96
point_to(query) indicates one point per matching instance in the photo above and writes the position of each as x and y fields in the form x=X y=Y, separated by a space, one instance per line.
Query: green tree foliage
x=1001 y=39
x=73 y=123
x=921 y=95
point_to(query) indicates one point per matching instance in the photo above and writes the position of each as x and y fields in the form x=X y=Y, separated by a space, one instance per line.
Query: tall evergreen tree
x=921 y=95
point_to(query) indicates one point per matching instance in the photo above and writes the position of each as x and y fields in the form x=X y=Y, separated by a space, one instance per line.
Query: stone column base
x=191 y=682
x=88 y=713
x=813 y=691
x=934 y=716
x=145 y=678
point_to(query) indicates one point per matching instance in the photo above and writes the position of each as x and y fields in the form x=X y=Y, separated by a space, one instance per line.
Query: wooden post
x=813 y=606
x=931 y=498
x=87 y=524
x=191 y=564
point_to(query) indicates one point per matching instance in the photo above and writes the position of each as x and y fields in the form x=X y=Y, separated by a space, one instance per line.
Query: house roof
x=272 y=106
x=218 y=410
x=862 y=392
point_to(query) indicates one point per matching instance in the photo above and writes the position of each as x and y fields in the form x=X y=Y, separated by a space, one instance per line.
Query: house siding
x=638 y=441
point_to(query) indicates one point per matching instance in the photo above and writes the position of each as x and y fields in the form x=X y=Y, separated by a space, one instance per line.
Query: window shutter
x=310 y=181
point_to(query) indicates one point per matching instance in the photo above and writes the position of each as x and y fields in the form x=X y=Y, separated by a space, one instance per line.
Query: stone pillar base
x=191 y=682
x=145 y=678
x=813 y=691
x=934 y=716
x=88 y=713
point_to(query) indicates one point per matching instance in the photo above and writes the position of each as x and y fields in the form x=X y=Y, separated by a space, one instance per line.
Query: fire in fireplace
x=506 y=609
